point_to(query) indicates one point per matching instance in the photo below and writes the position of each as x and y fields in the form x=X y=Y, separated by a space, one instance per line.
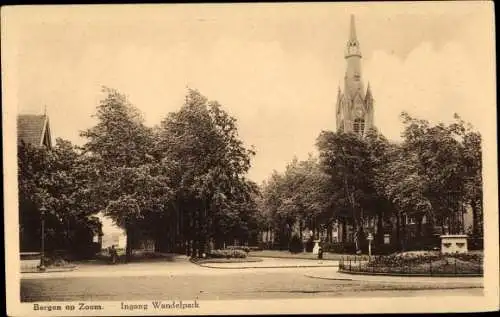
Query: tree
x=345 y=157
x=53 y=178
x=270 y=208
x=126 y=183
x=381 y=156
x=400 y=182
x=473 y=179
x=210 y=160
x=300 y=196
x=439 y=152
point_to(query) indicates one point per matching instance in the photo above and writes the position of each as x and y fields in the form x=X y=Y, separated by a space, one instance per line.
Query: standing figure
x=113 y=254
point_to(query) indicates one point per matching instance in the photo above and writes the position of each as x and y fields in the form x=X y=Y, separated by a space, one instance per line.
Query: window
x=359 y=126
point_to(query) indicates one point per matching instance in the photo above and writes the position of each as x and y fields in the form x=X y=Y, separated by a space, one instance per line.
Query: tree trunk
x=398 y=231
x=329 y=232
x=196 y=237
x=380 y=228
x=419 y=227
x=344 y=230
x=403 y=233
x=128 y=247
x=475 y=219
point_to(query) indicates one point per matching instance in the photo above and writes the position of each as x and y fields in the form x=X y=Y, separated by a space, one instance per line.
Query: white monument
x=454 y=243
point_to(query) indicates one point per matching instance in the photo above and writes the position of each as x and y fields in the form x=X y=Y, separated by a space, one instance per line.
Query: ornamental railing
x=435 y=265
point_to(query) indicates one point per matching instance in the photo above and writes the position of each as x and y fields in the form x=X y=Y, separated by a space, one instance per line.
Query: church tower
x=354 y=104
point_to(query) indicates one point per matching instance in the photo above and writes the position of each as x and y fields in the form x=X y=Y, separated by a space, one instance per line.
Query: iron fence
x=437 y=265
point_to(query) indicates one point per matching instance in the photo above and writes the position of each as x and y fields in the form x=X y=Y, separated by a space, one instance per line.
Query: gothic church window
x=359 y=126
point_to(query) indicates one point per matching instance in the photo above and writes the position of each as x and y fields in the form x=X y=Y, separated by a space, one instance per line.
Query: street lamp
x=42 y=255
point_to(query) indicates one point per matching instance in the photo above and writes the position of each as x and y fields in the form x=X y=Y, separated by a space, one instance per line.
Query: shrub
x=384 y=249
x=237 y=247
x=340 y=247
x=468 y=257
x=296 y=244
x=227 y=253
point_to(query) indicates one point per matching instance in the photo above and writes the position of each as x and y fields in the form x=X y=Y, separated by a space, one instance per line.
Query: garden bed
x=417 y=263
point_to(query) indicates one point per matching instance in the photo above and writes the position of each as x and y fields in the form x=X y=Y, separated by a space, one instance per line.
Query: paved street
x=184 y=280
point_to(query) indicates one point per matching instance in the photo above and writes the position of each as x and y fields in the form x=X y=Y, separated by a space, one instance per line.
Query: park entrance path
x=182 y=267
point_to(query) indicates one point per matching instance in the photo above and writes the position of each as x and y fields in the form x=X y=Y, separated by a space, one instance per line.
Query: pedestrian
x=113 y=254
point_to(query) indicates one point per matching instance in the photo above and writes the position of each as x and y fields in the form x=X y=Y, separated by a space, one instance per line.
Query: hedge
x=227 y=253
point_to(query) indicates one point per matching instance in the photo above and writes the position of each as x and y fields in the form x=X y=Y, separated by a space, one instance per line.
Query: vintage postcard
x=267 y=158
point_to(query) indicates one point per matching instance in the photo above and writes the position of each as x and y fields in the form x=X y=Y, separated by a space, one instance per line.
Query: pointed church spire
x=354 y=103
x=368 y=92
x=352 y=48
x=352 y=34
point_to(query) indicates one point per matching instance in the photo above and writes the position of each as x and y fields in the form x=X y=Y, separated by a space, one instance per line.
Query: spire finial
x=352 y=34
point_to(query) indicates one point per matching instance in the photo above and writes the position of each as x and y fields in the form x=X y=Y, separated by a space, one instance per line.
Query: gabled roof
x=33 y=129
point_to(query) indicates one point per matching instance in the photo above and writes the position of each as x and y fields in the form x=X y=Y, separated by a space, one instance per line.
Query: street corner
x=427 y=282
x=335 y=276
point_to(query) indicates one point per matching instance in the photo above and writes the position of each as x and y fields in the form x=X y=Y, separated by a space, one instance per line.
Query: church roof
x=32 y=129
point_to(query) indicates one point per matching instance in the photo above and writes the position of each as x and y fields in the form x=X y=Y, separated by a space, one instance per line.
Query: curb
x=207 y=265
x=291 y=258
x=409 y=274
x=329 y=278
x=466 y=285
x=51 y=270
x=267 y=267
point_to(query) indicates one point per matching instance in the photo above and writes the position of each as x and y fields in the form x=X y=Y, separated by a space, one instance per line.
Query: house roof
x=33 y=129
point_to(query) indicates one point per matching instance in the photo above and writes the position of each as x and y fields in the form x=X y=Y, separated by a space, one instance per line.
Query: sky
x=275 y=68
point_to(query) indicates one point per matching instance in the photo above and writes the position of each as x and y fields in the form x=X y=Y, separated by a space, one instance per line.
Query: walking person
x=113 y=254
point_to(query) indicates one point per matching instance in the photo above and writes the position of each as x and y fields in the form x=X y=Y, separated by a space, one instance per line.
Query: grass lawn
x=302 y=255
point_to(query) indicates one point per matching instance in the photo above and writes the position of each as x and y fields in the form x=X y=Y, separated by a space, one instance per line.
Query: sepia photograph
x=250 y=158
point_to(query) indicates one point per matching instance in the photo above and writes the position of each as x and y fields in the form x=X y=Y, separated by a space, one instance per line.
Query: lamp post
x=42 y=255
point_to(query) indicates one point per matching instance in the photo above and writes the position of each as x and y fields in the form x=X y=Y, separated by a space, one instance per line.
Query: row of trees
x=182 y=182
x=433 y=172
